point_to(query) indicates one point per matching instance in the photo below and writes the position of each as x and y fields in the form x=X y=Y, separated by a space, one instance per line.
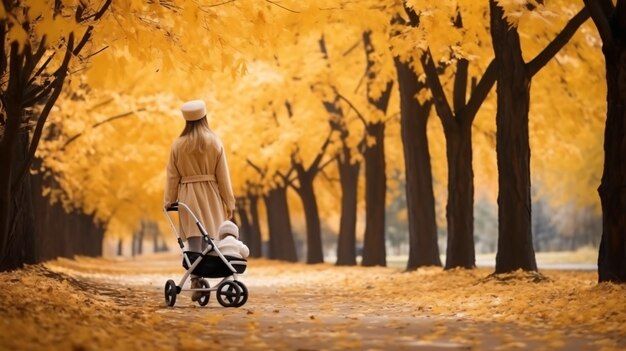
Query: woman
x=197 y=174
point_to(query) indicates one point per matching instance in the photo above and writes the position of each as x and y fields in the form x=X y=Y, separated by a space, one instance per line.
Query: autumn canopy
x=351 y=127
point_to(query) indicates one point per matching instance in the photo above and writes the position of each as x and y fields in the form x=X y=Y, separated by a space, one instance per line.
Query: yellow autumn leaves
x=249 y=59
x=99 y=304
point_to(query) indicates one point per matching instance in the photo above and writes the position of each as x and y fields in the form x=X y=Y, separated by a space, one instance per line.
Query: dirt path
x=291 y=307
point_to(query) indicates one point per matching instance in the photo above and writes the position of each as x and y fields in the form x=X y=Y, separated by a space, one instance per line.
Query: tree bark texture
x=374 y=251
x=611 y=22
x=282 y=245
x=21 y=237
x=423 y=247
x=349 y=179
x=515 y=249
x=9 y=257
x=460 y=208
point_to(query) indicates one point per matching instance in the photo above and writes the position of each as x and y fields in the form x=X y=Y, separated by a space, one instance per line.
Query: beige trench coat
x=202 y=181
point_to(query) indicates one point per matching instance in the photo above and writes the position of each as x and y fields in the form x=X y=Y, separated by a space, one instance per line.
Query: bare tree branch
x=220 y=4
x=481 y=91
x=37 y=93
x=459 y=91
x=96 y=125
x=558 y=42
x=439 y=96
x=33 y=60
x=98 y=14
x=354 y=46
x=46 y=111
x=83 y=40
x=601 y=20
x=318 y=158
x=323 y=165
x=42 y=68
x=256 y=168
x=351 y=106
x=281 y=6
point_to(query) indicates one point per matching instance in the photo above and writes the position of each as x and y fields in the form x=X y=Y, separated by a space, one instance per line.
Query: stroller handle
x=175 y=206
x=172 y=207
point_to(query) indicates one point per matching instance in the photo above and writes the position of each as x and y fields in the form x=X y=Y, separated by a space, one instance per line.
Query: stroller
x=230 y=292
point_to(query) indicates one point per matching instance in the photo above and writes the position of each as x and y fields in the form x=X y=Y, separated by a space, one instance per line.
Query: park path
x=291 y=307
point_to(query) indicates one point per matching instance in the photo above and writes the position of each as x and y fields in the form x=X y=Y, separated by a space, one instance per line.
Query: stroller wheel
x=228 y=294
x=170 y=293
x=204 y=284
x=244 y=294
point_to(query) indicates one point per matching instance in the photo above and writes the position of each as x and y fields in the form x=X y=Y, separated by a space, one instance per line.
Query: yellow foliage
x=249 y=60
x=118 y=303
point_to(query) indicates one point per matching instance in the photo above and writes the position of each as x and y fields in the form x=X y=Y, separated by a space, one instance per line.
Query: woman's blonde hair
x=195 y=135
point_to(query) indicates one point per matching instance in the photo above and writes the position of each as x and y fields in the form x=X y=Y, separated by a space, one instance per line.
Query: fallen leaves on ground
x=101 y=304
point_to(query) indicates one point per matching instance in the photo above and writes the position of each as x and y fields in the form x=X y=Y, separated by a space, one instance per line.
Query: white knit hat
x=228 y=227
x=193 y=110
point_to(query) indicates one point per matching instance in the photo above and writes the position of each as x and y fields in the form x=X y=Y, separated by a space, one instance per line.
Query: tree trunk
x=20 y=238
x=612 y=190
x=49 y=243
x=423 y=247
x=74 y=232
x=244 y=222
x=460 y=208
x=156 y=247
x=137 y=242
x=374 y=252
x=255 y=228
x=140 y=236
x=282 y=246
x=14 y=113
x=273 y=234
x=349 y=179
x=515 y=249
x=314 y=252
x=120 y=247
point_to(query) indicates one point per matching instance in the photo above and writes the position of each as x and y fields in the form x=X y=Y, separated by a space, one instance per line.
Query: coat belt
x=198 y=178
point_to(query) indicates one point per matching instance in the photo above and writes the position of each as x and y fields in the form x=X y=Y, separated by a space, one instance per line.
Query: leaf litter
x=102 y=304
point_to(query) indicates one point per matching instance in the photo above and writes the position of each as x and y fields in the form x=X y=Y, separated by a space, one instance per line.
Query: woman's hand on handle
x=230 y=212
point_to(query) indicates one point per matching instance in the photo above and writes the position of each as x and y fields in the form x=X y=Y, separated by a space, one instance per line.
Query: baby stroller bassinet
x=213 y=266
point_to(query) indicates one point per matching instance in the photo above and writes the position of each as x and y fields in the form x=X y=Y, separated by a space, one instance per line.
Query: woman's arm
x=224 y=184
x=172 y=179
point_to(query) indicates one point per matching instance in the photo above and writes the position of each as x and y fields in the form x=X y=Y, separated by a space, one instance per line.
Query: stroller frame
x=230 y=291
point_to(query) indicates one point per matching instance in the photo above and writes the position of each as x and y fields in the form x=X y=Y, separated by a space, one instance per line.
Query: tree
x=610 y=20
x=457 y=119
x=305 y=177
x=423 y=247
x=374 y=156
x=348 y=168
x=415 y=108
x=348 y=165
x=514 y=75
x=39 y=41
x=282 y=246
x=249 y=219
